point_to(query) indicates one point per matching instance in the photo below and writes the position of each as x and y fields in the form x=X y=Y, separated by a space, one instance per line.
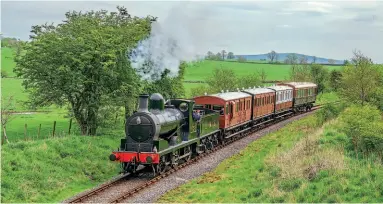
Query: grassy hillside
x=303 y=162
x=199 y=71
x=60 y=168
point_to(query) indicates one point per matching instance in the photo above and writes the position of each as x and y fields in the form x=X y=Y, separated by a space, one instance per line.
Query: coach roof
x=280 y=88
x=300 y=84
x=227 y=96
x=258 y=91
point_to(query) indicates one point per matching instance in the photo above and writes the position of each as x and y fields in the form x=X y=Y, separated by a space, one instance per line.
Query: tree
x=210 y=55
x=7 y=104
x=272 y=56
x=335 y=79
x=314 y=59
x=247 y=81
x=222 y=79
x=76 y=61
x=331 y=61
x=291 y=59
x=346 y=62
x=218 y=56
x=262 y=74
x=319 y=76
x=303 y=59
x=200 y=90
x=169 y=87
x=241 y=59
x=230 y=55
x=360 y=79
x=223 y=54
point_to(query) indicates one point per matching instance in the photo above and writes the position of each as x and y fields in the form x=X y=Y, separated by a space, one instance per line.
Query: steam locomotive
x=161 y=135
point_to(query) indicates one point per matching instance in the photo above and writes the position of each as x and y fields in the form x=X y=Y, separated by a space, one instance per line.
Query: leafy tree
x=169 y=87
x=230 y=55
x=247 y=81
x=360 y=79
x=210 y=55
x=314 y=59
x=331 y=61
x=364 y=127
x=218 y=56
x=291 y=59
x=335 y=79
x=200 y=90
x=346 y=62
x=262 y=74
x=303 y=59
x=222 y=79
x=241 y=59
x=319 y=75
x=76 y=62
x=272 y=56
x=300 y=72
x=4 y=74
x=223 y=54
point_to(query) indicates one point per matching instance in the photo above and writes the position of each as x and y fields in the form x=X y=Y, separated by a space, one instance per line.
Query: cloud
x=322 y=28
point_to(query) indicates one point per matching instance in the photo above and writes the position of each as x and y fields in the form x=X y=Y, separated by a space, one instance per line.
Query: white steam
x=169 y=43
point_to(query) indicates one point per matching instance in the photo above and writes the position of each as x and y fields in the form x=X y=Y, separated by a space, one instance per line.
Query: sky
x=330 y=29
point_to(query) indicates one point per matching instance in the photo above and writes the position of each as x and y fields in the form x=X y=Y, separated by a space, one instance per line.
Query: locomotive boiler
x=153 y=127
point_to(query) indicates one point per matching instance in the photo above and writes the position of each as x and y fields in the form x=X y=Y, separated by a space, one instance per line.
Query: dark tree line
x=219 y=55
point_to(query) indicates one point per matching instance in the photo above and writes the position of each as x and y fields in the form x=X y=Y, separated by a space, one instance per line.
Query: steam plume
x=169 y=43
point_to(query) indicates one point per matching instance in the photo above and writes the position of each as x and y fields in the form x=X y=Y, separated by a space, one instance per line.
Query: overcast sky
x=331 y=29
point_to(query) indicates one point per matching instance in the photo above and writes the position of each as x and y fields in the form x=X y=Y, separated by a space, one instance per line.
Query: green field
x=199 y=71
x=7 y=62
x=303 y=162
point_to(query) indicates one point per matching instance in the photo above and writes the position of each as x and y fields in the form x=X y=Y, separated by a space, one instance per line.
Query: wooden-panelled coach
x=304 y=94
x=262 y=104
x=284 y=98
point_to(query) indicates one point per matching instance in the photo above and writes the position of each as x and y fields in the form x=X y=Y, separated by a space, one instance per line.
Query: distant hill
x=283 y=56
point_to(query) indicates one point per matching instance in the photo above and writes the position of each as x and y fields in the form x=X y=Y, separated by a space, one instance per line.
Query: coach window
x=236 y=107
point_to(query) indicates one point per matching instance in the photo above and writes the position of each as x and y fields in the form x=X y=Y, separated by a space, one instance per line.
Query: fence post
x=70 y=126
x=38 y=133
x=5 y=138
x=54 y=128
x=25 y=131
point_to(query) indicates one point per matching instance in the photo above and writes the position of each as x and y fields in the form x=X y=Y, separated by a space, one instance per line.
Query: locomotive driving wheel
x=187 y=150
x=161 y=166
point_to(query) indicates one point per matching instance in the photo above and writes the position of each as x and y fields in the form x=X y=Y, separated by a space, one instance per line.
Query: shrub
x=329 y=111
x=4 y=74
x=364 y=127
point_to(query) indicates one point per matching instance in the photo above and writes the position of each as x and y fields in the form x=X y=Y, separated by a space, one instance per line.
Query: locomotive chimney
x=143 y=103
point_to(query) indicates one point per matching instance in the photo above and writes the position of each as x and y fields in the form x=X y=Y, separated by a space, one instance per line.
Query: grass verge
x=52 y=170
x=302 y=162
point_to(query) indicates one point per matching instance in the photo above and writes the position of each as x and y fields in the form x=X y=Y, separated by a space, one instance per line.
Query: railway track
x=139 y=188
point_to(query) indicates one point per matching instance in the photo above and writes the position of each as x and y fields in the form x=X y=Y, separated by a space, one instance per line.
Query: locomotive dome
x=157 y=102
